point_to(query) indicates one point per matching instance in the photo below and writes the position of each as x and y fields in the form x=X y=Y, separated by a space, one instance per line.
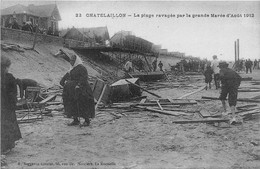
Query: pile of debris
x=43 y=102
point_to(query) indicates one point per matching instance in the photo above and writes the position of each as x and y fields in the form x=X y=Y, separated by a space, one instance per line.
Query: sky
x=184 y=32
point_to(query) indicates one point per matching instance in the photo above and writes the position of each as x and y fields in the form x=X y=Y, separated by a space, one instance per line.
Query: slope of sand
x=42 y=66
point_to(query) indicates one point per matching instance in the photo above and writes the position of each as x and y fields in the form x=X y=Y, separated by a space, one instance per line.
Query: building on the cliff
x=45 y=16
x=98 y=35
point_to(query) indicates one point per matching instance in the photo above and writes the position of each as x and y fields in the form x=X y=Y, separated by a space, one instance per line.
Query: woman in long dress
x=77 y=94
x=10 y=131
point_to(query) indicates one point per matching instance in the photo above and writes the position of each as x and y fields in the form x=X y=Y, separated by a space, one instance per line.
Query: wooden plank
x=100 y=98
x=157 y=101
x=176 y=103
x=99 y=85
x=242 y=100
x=54 y=103
x=248 y=90
x=47 y=99
x=163 y=111
x=196 y=91
x=143 y=101
x=250 y=112
x=246 y=106
x=215 y=120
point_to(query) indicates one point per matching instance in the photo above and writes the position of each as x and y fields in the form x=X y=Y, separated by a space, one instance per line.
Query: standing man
x=230 y=81
x=154 y=64
x=215 y=68
x=160 y=65
x=248 y=64
x=255 y=64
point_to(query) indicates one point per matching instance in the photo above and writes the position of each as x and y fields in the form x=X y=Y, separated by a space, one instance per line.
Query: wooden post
x=237 y=49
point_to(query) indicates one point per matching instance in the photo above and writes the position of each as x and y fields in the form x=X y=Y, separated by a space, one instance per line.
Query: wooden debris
x=157 y=101
x=248 y=90
x=143 y=89
x=212 y=120
x=101 y=96
x=29 y=119
x=246 y=106
x=11 y=47
x=54 y=103
x=196 y=91
x=142 y=101
x=250 y=112
x=49 y=98
x=205 y=113
x=163 y=111
x=242 y=100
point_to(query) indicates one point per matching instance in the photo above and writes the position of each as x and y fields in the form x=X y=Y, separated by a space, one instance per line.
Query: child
x=208 y=76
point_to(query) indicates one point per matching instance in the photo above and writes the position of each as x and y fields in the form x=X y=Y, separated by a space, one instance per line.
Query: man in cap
x=230 y=82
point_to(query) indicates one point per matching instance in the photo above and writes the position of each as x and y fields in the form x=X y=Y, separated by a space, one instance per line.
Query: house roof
x=16 y=8
x=41 y=10
x=95 y=31
x=92 y=33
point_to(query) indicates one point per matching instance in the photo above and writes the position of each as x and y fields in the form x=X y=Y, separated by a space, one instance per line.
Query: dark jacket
x=229 y=77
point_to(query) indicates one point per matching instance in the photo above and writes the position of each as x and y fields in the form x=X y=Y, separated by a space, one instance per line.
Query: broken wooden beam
x=157 y=101
x=241 y=100
x=215 y=120
x=49 y=98
x=196 y=91
x=143 y=89
x=245 y=113
x=163 y=111
x=155 y=104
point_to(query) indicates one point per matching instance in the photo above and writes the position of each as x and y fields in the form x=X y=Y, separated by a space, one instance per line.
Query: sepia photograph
x=125 y=84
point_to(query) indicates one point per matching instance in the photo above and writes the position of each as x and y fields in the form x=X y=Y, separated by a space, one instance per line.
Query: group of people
x=230 y=81
x=28 y=26
x=77 y=97
x=154 y=64
x=247 y=65
x=191 y=65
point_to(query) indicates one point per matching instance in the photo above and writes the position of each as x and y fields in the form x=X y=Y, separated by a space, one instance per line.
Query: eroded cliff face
x=42 y=66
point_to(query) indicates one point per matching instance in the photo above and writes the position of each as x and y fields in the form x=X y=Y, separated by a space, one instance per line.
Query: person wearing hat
x=230 y=81
x=77 y=94
x=10 y=131
x=215 y=68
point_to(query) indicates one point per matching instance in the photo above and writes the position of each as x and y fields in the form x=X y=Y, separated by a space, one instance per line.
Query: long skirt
x=10 y=131
x=80 y=104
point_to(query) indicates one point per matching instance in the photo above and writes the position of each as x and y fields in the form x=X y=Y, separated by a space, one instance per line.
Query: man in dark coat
x=154 y=64
x=77 y=94
x=230 y=81
x=248 y=65
x=160 y=65
x=208 y=76
x=10 y=131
